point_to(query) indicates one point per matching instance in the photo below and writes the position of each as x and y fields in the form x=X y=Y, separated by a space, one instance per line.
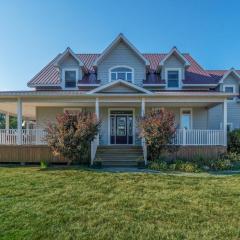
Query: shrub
x=234 y=141
x=43 y=164
x=71 y=135
x=158 y=129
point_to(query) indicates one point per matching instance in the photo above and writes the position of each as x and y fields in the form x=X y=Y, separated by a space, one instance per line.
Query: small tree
x=158 y=129
x=71 y=135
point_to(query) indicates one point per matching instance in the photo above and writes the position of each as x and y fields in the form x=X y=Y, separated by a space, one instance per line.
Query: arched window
x=121 y=72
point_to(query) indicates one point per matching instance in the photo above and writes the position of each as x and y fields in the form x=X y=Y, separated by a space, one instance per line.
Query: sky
x=33 y=32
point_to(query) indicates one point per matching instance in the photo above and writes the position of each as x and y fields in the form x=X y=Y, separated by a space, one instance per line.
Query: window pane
x=121 y=75
x=129 y=77
x=229 y=89
x=186 y=121
x=113 y=76
x=70 y=79
x=121 y=69
x=173 y=84
x=70 y=75
x=121 y=126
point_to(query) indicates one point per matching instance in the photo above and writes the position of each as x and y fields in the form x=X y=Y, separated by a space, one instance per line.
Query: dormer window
x=173 y=78
x=70 y=78
x=121 y=73
x=229 y=89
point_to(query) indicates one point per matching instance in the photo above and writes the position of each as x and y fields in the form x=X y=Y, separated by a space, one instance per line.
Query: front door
x=121 y=125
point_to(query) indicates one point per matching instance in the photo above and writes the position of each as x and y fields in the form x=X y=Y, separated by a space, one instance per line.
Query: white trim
x=118 y=66
x=179 y=78
x=199 y=85
x=181 y=113
x=109 y=130
x=63 y=83
x=68 y=51
x=234 y=91
x=114 y=43
x=116 y=82
x=88 y=85
x=175 y=50
x=232 y=70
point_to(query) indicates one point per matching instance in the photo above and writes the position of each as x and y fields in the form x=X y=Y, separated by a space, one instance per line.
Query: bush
x=234 y=141
x=177 y=165
x=158 y=129
x=71 y=135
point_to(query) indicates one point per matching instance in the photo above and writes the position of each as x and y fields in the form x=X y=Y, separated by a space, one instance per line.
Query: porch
x=42 y=109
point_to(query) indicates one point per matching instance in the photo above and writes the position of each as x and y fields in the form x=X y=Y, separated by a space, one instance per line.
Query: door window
x=121 y=126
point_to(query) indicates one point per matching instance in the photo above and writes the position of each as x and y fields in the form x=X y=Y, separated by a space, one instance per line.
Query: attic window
x=121 y=73
x=70 y=78
x=229 y=89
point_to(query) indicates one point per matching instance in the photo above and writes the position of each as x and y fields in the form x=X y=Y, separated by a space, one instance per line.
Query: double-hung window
x=121 y=73
x=70 y=78
x=229 y=89
x=173 y=78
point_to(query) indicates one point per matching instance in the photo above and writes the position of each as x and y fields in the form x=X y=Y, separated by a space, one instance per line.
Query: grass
x=87 y=204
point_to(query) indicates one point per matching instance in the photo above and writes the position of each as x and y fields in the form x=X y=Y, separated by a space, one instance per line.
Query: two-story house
x=120 y=85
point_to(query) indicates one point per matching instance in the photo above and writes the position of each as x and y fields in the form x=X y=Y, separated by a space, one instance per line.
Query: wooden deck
x=37 y=153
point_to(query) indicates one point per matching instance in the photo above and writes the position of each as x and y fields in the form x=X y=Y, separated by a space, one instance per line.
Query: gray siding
x=122 y=55
x=233 y=108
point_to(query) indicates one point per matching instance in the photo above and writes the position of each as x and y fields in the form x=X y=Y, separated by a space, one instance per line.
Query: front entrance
x=121 y=127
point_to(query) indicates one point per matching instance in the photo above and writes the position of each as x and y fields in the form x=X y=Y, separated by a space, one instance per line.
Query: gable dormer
x=121 y=61
x=70 y=69
x=172 y=69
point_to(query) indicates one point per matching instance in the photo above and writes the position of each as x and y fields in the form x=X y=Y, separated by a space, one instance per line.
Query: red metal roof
x=195 y=74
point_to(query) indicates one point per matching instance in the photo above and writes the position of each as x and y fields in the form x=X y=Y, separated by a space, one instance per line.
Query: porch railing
x=182 y=137
x=25 y=137
x=199 y=137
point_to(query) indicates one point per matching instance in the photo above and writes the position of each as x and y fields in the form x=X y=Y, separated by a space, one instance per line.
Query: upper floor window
x=122 y=73
x=173 y=78
x=229 y=89
x=70 y=78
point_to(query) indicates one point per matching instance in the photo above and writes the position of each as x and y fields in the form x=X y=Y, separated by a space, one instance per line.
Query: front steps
x=119 y=156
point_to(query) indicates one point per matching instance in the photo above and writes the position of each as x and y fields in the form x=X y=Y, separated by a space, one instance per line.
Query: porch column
x=7 y=121
x=19 y=121
x=225 y=121
x=143 y=107
x=97 y=115
x=97 y=108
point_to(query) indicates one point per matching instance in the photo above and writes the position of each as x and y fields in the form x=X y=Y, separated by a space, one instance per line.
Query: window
x=173 y=77
x=123 y=73
x=186 y=118
x=70 y=78
x=229 y=89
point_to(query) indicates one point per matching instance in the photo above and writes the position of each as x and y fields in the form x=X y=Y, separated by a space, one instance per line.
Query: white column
x=7 y=121
x=225 y=121
x=143 y=107
x=19 y=121
x=97 y=112
x=97 y=108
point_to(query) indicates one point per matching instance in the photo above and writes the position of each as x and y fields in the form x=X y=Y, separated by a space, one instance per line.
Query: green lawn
x=88 y=204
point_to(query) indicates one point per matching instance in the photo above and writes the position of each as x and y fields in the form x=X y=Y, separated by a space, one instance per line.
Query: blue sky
x=34 y=32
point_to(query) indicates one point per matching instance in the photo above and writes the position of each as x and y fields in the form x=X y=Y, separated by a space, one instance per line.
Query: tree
x=71 y=135
x=158 y=129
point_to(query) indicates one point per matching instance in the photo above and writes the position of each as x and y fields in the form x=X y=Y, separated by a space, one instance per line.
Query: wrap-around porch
x=120 y=110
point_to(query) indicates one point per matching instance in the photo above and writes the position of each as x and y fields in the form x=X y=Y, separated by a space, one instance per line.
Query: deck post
x=97 y=108
x=143 y=107
x=19 y=121
x=225 y=121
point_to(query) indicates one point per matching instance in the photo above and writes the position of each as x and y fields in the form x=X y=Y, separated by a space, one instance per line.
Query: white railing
x=199 y=137
x=25 y=137
x=94 y=146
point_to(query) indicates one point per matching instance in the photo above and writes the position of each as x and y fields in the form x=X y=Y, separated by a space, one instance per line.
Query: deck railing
x=24 y=137
x=199 y=137
x=182 y=137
